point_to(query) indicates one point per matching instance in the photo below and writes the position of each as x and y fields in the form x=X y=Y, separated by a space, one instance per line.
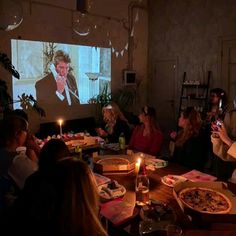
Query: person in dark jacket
x=189 y=148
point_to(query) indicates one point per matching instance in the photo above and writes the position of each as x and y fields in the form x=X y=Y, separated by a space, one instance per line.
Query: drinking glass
x=173 y=230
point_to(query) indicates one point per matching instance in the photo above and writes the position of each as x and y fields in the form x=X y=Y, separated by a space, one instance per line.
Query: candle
x=60 y=121
x=137 y=165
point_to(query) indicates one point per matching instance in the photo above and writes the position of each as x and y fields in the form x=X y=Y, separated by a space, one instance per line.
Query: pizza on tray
x=205 y=200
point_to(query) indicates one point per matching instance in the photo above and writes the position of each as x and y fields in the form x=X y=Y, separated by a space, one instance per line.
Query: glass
x=142 y=190
x=173 y=230
x=151 y=228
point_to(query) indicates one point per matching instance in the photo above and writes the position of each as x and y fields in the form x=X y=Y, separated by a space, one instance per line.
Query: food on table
x=205 y=200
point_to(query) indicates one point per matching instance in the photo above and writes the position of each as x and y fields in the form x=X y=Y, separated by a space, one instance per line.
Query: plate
x=111 y=190
x=158 y=211
x=155 y=163
x=170 y=180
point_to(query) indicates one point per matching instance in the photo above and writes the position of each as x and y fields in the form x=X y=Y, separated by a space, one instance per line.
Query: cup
x=151 y=228
x=173 y=230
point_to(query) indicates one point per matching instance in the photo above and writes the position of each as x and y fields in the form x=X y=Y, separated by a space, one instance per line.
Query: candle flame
x=60 y=121
x=139 y=160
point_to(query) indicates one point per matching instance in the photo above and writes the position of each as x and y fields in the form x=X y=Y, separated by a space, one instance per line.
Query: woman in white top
x=223 y=137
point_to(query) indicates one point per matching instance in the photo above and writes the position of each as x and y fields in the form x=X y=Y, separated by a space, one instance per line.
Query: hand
x=101 y=132
x=61 y=83
x=222 y=134
x=173 y=135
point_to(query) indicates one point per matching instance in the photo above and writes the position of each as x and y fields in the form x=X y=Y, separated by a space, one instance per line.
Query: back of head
x=18 y=112
x=192 y=128
x=10 y=126
x=194 y=118
x=78 y=204
x=51 y=152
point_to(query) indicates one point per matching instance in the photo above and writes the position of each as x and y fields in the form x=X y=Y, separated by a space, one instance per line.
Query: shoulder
x=45 y=79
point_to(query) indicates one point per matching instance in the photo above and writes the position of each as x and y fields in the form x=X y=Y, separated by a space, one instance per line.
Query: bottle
x=142 y=186
x=122 y=141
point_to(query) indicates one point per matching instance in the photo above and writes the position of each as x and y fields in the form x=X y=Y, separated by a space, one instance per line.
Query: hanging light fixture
x=81 y=24
x=11 y=14
x=81 y=19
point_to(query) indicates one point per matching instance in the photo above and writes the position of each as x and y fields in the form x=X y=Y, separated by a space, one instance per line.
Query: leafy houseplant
x=6 y=100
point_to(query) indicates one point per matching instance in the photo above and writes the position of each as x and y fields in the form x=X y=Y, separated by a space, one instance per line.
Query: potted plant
x=6 y=100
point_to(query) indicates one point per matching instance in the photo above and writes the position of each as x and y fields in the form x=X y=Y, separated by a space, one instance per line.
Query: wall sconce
x=11 y=14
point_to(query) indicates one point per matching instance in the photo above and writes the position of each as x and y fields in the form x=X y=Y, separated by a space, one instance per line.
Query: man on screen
x=60 y=85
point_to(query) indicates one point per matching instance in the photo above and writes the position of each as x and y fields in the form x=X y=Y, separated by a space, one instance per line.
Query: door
x=162 y=95
x=228 y=69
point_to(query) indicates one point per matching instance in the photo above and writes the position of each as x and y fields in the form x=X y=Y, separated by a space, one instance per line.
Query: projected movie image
x=60 y=74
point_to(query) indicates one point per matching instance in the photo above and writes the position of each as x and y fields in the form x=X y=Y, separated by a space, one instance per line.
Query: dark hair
x=51 y=152
x=17 y=112
x=151 y=113
x=9 y=127
x=220 y=93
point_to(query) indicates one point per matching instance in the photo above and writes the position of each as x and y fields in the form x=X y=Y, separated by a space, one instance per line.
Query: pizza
x=205 y=200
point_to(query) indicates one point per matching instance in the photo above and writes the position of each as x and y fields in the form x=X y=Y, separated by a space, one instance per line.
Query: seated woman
x=189 y=149
x=223 y=139
x=115 y=124
x=14 y=167
x=66 y=203
x=147 y=137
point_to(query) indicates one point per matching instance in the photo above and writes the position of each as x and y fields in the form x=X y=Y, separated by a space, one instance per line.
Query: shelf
x=194 y=98
x=195 y=85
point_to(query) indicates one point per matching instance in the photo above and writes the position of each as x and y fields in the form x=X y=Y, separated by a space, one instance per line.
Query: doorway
x=163 y=96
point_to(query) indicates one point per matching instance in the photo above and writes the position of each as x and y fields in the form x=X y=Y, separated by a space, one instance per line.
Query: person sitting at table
x=189 y=148
x=15 y=166
x=115 y=124
x=147 y=137
x=33 y=148
x=224 y=141
x=66 y=204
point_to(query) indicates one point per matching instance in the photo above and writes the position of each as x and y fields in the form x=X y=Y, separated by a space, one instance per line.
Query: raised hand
x=61 y=83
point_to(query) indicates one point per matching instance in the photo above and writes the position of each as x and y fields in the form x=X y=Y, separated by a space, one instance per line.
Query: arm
x=222 y=144
x=156 y=143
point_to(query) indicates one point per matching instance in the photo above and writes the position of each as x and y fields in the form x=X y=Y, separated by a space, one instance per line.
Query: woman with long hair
x=77 y=208
x=147 y=137
x=115 y=123
x=189 y=147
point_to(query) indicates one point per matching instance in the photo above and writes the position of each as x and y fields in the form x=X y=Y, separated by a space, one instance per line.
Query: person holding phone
x=223 y=140
x=58 y=87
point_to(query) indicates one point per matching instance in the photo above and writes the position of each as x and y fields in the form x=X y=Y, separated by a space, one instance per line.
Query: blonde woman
x=64 y=203
x=115 y=123
x=189 y=147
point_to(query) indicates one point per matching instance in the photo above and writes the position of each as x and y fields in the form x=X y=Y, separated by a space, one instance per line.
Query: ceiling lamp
x=11 y=14
x=81 y=19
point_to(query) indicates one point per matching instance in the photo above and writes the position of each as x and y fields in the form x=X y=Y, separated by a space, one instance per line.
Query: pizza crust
x=205 y=200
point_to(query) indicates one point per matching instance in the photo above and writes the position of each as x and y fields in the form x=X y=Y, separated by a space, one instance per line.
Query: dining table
x=161 y=192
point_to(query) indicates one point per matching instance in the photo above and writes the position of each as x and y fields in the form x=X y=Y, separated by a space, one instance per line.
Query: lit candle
x=137 y=165
x=60 y=121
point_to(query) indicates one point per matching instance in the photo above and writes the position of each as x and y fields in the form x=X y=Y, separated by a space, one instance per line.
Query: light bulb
x=11 y=14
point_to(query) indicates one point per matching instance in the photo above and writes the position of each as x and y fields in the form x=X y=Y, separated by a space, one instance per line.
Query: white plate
x=107 y=193
x=170 y=180
x=156 y=163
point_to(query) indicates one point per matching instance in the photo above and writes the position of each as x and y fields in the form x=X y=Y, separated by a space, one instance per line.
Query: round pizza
x=205 y=200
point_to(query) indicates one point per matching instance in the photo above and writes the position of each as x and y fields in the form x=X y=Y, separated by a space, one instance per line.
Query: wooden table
x=164 y=193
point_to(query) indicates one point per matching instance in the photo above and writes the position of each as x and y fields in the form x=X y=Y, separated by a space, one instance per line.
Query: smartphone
x=219 y=123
